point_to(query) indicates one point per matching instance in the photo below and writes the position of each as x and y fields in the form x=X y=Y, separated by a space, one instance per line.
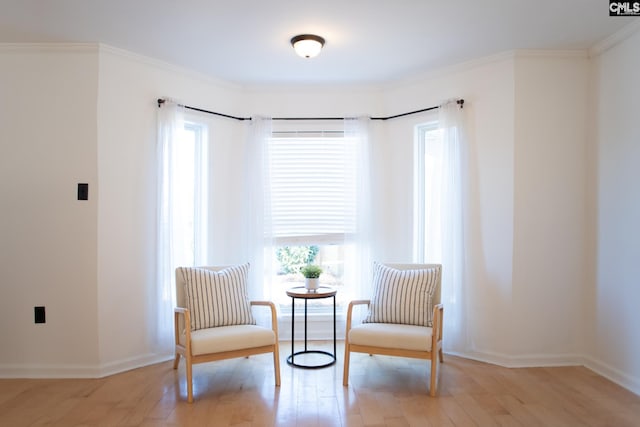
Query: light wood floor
x=383 y=391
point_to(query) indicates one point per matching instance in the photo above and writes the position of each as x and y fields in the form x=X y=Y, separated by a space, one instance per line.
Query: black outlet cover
x=83 y=191
x=39 y=315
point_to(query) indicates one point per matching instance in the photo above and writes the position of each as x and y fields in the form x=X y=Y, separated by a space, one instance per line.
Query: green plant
x=311 y=271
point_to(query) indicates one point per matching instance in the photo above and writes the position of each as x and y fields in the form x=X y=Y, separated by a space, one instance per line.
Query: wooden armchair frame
x=435 y=354
x=182 y=317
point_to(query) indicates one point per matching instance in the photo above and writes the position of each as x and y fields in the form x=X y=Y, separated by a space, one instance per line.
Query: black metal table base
x=291 y=358
x=300 y=365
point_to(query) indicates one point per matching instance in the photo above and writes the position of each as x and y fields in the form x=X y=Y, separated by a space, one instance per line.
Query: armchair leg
x=434 y=374
x=441 y=355
x=176 y=361
x=276 y=364
x=189 y=383
x=345 y=373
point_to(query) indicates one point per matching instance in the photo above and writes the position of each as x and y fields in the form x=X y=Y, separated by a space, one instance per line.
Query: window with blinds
x=312 y=189
x=312 y=181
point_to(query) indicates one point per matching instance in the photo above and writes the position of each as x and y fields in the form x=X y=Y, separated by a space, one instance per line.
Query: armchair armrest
x=274 y=319
x=182 y=313
x=350 y=311
x=185 y=314
x=436 y=335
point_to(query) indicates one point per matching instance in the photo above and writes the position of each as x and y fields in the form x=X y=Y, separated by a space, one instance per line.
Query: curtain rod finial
x=160 y=102
x=461 y=103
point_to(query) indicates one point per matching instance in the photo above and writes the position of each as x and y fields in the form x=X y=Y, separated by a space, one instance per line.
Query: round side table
x=307 y=294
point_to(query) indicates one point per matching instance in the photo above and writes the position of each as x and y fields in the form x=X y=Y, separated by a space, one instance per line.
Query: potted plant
x=311 y=275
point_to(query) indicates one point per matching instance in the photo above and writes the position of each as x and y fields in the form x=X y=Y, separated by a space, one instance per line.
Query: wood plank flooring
x=383 y=391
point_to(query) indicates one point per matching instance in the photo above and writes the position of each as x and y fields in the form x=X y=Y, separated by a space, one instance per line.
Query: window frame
x=420 y=191
x=199 y=159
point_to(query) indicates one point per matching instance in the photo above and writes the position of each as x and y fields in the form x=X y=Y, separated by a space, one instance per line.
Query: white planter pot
x=311 y=284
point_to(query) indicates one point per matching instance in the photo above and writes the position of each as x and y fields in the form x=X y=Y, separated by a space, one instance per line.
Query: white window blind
x=312 y=189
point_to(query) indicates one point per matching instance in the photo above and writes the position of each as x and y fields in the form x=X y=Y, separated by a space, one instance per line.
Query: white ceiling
x=367 y=41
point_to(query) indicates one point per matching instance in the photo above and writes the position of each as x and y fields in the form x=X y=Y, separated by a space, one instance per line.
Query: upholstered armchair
x=404 y=317
x=214 y=320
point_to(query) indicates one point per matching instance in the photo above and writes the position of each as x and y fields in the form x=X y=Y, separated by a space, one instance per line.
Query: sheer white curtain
x=258 y=208
x=182 y=190
x=448 y=222
x=170 y=127
x=358 y=264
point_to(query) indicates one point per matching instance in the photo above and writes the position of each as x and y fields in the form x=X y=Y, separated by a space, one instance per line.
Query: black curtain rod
x=161 y=101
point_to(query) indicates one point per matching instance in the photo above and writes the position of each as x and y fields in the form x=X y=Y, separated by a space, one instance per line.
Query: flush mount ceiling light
x=307 y=45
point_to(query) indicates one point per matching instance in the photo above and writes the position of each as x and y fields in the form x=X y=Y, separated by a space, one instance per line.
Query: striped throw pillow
x=402 y=296
x=217 y=298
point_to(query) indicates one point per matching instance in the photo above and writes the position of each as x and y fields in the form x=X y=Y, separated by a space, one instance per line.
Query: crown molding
x=448 y=70
x=623 y=34
x=508 y=55
x=49 y=47
x=101 y=48
x=166 y=66
x=551 y=53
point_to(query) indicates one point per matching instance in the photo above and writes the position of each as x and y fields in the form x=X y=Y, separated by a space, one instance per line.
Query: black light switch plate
x=39 y=315
x=83 y=191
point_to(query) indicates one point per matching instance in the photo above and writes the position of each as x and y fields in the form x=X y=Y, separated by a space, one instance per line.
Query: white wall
x=312 y=101
x=550 y=229
x=48 y=238
x=614 y=335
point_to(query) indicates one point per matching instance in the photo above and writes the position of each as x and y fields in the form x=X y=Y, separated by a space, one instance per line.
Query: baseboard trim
x=544 y=360
x=79 y=370
x=48 y=371
x=132 y=363
x=522 y=361
x=624 y=380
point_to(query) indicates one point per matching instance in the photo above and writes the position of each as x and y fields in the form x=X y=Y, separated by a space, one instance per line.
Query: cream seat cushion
x=391 y=335
x=229 y=338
